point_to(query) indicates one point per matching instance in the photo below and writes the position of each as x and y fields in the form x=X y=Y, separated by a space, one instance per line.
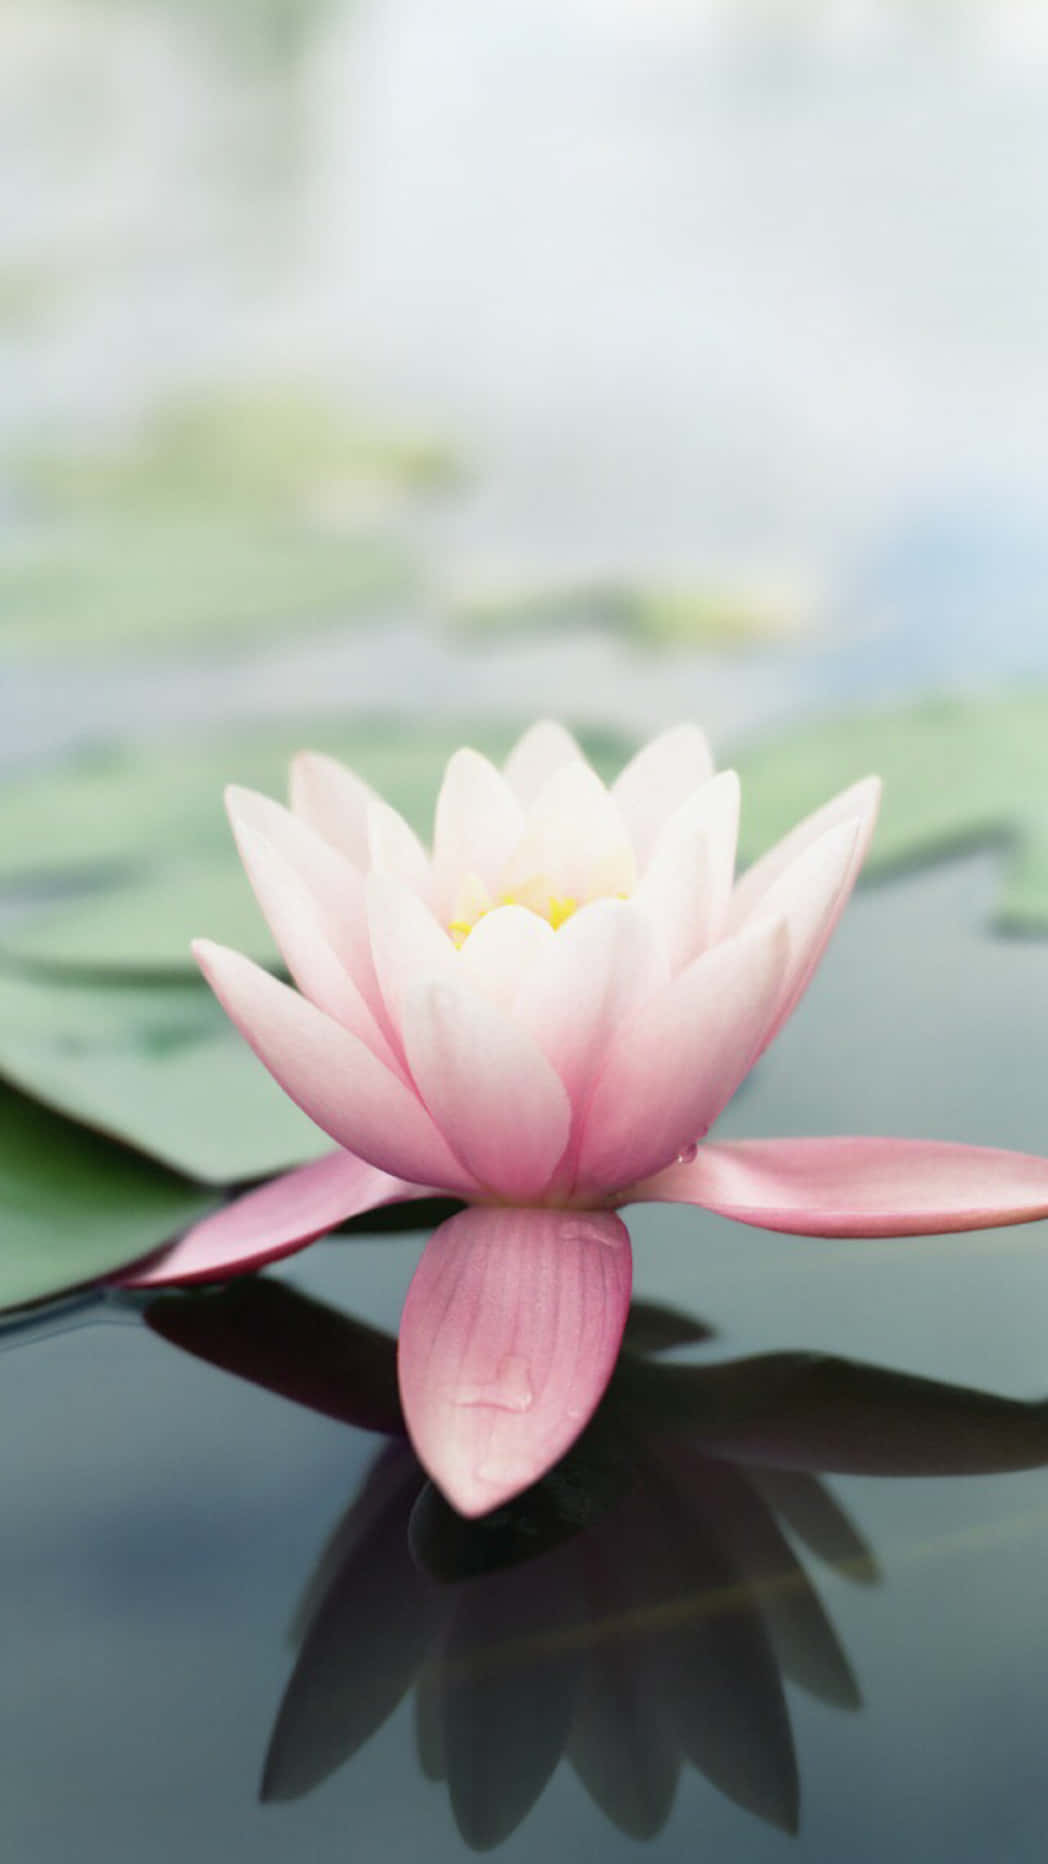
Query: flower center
x=537 y=896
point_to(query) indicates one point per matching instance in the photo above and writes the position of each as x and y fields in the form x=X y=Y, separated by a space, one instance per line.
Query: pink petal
x=489 y=1088
x=655 y=783
x=859 y=1187
x=335 y=802
x=407 y=944
x=859 y=804
x=395 y=849
x=810 y=897
x=680 y=1058
x=478 y=824
x=574 y=838
x=274 y=1220
x=686 y=886
x=601 y=966
x=504 y=952
x=330 y=1074
x=300 y=929
x=509 y=1335
x=333 y=882
x=538 y=755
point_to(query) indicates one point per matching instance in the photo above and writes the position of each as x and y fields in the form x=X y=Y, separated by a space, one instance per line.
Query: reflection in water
x=637 y=1611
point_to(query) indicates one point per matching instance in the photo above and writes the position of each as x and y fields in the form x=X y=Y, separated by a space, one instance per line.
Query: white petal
x=686 y=887
x=478 y=824
x=537 y=756
x=658 y=780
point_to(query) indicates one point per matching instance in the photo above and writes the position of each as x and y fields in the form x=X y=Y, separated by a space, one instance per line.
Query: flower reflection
x=637 y=1611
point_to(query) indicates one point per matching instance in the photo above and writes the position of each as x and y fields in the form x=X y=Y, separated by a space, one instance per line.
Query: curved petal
x=655 y=783
x=334 y=801
x=858 y=1187
x=274 y=1220
x=810 y=897
x=678 y=1061
x=504 y=950
x=333 y=882
x=686 y=886
x=508 y=1338
x=395 y=849
x=407 y=945
x=300 y=929
x=602 y=965
x=574 y=840
x=330 y=1074
x=543 y=750
x=489 y=1088
x=478 y=824
x=859 y=804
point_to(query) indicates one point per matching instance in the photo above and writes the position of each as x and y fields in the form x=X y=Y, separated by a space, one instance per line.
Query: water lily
x=544 y=1016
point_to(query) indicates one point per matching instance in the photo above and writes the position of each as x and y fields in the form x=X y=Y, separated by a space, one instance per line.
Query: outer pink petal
x=678 y=1061
x=478 y=824
x=661 y=777
x=301 y=931
x=859 y=1187
x=335 y=884
x=858 y=804
x=509 y=1335
x=330 y=1074
x=274 y=1220
x=810 y=897
x=686 y=886
x=503 y=952
x=489 y=1088
x=543 y=750
x=334 y=801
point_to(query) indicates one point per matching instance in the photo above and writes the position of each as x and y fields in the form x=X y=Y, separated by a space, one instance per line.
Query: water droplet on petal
x=688 y=1154
x=509 y=1390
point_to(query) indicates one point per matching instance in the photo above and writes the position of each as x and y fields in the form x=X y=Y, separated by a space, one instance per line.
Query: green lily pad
x=159 y=1067
x=74 y=1207
x=137 y=581
x=715 y=617
x=957 y=772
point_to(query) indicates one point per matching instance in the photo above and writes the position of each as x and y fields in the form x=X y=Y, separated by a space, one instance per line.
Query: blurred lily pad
x=716 y=616
x=75 y=1207
x=225 y=512
x=160 y=1067
x=138 y=581
x=958 y=773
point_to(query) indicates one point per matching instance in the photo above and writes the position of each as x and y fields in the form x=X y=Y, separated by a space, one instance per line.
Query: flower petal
x=333 y=882
x=273 y=1221
x=680 y=1058
x=504 y=950
x=509 y=1335
x=407 y=944
x=602 y=965
x=300 y=929
x=543 y=750
x=574 y=840
x=859 y=1187
x=810 y=897
x=478 y=824
x=330 y=1074
x=395 y=849
x=334 y=801
x=489 y=1088
x=655 y=783
x=858 y=804
x=686 y=886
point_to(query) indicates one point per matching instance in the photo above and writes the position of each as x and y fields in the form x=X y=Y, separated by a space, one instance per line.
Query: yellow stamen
x=560 y=909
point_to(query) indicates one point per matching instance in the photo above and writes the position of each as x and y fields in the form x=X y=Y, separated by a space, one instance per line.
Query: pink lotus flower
x=544 y=1017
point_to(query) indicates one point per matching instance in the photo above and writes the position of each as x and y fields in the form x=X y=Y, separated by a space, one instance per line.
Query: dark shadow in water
x=637 y=1611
